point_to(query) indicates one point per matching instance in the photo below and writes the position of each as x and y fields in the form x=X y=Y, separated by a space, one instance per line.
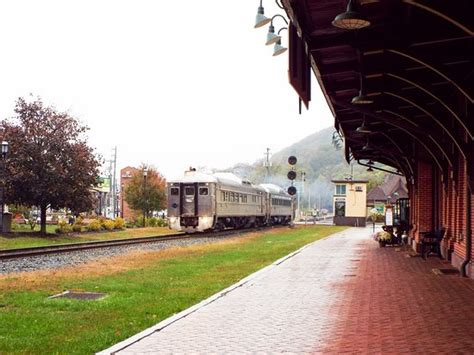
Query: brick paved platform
x=340 y=294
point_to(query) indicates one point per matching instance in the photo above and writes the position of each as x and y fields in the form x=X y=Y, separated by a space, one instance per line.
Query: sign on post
x=388 y=215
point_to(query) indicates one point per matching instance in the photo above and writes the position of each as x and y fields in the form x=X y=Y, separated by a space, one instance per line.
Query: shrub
x=94 y=226
x=63 y=228
x=119 y=223
x=152 y=222
x=162 y=222
x=76 y=227
x=108 y=225
x=130 y=225
x=15 y=226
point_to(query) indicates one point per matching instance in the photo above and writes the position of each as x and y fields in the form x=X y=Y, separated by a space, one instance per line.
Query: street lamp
x=145 y=174
x=4 y=155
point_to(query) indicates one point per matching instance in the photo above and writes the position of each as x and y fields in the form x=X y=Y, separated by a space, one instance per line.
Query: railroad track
x=65 y=248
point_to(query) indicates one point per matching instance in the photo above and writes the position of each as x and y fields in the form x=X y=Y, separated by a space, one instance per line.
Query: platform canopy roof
x=414 y=61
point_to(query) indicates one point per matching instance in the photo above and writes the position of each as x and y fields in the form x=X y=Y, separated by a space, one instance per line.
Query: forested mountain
x=321 y=162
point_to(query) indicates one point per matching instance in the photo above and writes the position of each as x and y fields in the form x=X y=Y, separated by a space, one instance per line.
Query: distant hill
x=321 y=161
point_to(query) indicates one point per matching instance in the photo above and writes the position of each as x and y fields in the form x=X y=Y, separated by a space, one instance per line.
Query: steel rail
x=6 y=254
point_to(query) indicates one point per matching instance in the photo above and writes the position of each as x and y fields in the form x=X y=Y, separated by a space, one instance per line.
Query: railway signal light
x=291 y=175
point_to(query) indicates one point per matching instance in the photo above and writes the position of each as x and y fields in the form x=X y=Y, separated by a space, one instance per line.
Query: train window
x=189 y=191
x=222 y=195
x=203 y=191
x=231 y=197
x=174 y=191
x=244 y=198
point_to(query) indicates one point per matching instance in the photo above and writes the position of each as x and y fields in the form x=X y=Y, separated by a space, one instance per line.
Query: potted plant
x=384 y=238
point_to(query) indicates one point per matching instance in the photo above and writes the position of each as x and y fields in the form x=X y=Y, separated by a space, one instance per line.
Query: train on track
x=201 y=202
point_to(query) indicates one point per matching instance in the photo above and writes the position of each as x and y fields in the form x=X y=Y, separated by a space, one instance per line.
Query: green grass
x=25 y=240
x=25 y=228
x=137 y=298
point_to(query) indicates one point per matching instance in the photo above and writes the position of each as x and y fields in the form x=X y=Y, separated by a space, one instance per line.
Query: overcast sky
x=170 y=83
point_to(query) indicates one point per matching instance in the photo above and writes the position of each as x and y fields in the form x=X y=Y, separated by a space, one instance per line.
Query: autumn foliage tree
x=50 y=163
x=146 y=195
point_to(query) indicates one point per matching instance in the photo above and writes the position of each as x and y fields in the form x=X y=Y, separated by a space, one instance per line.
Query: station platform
x=340 y=294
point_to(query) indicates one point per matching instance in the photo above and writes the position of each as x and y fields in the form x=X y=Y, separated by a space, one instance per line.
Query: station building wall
x=441 y=201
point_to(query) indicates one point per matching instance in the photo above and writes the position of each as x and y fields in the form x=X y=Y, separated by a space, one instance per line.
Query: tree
x=146 y=194
x=50 y=163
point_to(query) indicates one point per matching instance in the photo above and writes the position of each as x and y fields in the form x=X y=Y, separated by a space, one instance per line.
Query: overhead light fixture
x=363 y=128
x=361 y=99
x=271 y=36
x=367 y=146
x=278 y=49
x=261 y=19
x=351 y=19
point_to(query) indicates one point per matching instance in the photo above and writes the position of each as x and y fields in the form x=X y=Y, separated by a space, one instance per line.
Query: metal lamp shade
x=261 y=19
x=361 y=99
x=271 y=36
x=278 y=49
x=363 y=128
x=350 y=20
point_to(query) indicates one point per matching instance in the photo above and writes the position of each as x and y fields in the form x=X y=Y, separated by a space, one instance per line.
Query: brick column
x=460 y=217
x=424 y=199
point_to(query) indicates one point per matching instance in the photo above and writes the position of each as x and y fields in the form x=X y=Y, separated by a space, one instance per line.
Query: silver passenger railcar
x=200 y=202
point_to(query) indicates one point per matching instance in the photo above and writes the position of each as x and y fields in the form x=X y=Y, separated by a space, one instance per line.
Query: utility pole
x=301 y=192
x=114 y=183
x=267 y=164
x=112 y=200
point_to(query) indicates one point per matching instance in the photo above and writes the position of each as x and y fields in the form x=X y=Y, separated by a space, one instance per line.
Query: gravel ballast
x=55 y=261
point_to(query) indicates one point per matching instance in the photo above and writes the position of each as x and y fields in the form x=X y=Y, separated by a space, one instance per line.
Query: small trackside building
x=350 y=202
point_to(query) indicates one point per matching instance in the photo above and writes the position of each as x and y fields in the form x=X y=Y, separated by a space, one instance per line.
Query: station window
x=174 y=191
x=189 y=191
x=204 y=191
x=340 y=189
x=359 y=188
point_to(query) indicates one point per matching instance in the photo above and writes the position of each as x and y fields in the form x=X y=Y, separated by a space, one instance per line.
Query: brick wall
x=423 y=211
x=125 y=176
x=460 y=213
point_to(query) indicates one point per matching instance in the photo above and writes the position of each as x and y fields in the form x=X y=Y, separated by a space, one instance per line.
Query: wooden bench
x=430 y=243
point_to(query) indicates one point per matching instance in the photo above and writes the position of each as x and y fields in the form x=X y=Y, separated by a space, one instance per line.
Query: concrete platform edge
x=168 y=321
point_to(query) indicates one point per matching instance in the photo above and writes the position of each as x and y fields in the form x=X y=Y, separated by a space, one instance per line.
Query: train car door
x=189 y=199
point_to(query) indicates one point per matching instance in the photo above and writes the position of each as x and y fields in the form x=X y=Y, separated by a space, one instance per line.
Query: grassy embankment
x=26 y=239
x=142 y=289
